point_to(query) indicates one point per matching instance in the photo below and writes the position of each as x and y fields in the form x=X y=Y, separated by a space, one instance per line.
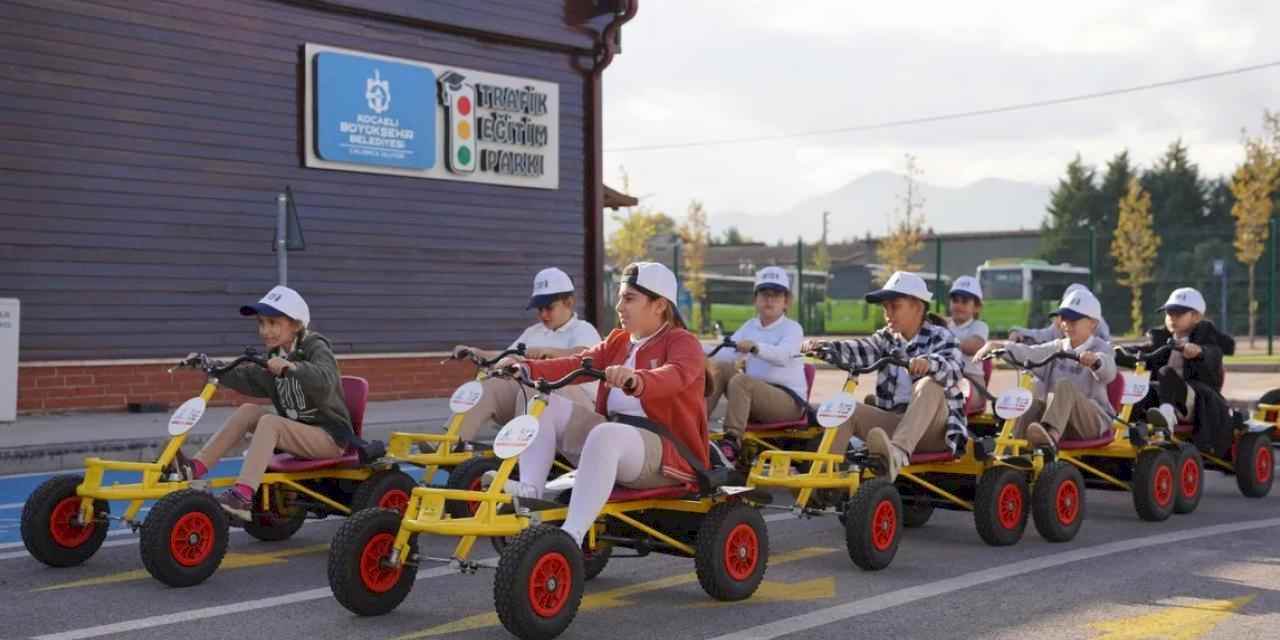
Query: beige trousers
x=270 y=432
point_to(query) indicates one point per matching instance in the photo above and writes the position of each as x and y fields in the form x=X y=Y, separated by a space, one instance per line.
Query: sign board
x=379 y=114
x=9 y=312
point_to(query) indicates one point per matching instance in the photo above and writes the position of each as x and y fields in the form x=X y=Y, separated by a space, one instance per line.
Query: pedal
x=984 y=448
x=1138 y=435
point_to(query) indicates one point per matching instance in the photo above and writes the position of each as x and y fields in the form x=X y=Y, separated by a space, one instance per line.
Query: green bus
x=1021 y=292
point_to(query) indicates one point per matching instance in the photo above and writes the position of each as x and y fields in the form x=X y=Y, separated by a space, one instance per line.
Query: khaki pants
x=754 y=400
x=503 y=400
x=1066 y=412
x=270 y=432
x=573 y=422
x=719 y=373
x=923 y=426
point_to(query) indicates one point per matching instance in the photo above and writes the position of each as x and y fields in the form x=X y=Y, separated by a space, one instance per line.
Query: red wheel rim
x=62 y=524
x=375 y=576
x=741 y=552
x=884 y=526
x=394 y=499
x=1010 y=506
x=1263 y=464
x=550 y=584
x=1190 y=478
x=191 y=540
x=476 y=485
x=1068 y=501
x=1163 y=488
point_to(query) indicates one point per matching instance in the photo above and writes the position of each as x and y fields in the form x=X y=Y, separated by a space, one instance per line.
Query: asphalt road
x=1210 y=574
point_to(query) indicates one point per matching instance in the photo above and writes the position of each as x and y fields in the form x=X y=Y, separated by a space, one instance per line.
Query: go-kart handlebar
x=545 y=386
x=1004 y=354
x=828 y=354
x=468 y=354
x=216 y=368
x=730 y=344
x=1150 y=355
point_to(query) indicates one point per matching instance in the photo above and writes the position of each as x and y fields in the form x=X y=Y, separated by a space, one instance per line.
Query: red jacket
x=671 y=367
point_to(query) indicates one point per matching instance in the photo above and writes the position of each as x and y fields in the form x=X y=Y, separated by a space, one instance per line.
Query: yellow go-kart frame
x=185 y=533
x=540 y=574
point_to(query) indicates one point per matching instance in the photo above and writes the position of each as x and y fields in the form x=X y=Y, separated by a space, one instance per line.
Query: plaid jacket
x=946 y=365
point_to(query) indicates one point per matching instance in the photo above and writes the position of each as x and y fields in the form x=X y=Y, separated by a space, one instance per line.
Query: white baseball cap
x=772 y=278
x=280 y=301
x=902 y=283
x=656 y=279
x=549 y=284
x=1184 y=299
x=967 y=284
x=1071 y=288
x=1080 y=303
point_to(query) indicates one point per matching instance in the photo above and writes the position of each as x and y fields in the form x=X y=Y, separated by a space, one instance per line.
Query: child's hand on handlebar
x=809 y=346
x=278 y=366
x=510 y=365
x=462 y=352
x=919 y=367
x=746 y=346
x=1090 y=360
x=1191 y=351
x=623 y=378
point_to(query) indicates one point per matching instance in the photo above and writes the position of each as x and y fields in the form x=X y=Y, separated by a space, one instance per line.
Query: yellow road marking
x=230 y=561
x=816 y=589
x=1176 y=622
x=608 y=599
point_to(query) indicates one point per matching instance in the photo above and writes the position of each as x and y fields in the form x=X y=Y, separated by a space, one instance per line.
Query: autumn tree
x=1134 y=246
x=906 y=230
x=1252 y=185
x=695 y=234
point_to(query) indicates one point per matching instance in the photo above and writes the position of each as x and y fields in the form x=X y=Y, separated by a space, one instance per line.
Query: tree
x=1252 y=185
x=630 y=242
x=1073 y=207
x=1134 y=246
x=695 y=234
x=906 y=235
x=1178 y=194
x=820 y=258
x=732 y=236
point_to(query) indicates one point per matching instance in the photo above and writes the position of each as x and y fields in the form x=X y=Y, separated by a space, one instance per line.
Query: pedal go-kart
x=1132 y=456
x=540 y=574
x=801 y=433
x=467 y=462
x=1250 y=460
x=184 y=536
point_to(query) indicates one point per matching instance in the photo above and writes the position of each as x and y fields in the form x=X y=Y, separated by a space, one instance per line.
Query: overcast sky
x=699 y=70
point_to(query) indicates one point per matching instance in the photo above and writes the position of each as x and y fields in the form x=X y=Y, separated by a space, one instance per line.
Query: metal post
x=1093 y=258
x=1271 y=290
x=800 y=281
x=937 y=275
x=282 y=239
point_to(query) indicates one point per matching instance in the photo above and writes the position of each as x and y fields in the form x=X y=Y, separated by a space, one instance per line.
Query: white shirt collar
x=567 y=326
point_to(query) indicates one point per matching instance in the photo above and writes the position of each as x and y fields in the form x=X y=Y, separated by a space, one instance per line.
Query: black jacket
x=1207 y=369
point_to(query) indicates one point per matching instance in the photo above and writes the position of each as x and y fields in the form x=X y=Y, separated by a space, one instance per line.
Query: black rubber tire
x=1248 y=449
x=875 y=509
x=1058 y=502
x=371 y=493
x=345 y=558
x=281 y=522
x=1270 y=397
x=466 y=476
x=511 y=592
x=1188 y=472
x=158 y=530
x=710 y=559
x=997 y=523
x=1154 y=484
x=916 y=511
x=37 y=515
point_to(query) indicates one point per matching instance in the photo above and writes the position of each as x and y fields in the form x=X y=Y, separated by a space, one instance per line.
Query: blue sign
x=371 y=111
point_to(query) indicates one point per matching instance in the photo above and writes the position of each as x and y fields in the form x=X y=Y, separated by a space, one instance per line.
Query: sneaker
x=181 y=469
x=235 y=504
x=731 y=447
x=1162 y=416
x=1037 y=436
x=879 y=444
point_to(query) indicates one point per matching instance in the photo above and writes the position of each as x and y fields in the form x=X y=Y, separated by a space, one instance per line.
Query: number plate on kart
x=466 y=397
x=1013 y=403
x=836 y=410
x=515 y=437
x=1135 y=387
x=186 y=416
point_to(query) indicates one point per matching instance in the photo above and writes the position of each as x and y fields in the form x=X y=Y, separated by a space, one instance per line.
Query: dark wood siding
x=142 y=145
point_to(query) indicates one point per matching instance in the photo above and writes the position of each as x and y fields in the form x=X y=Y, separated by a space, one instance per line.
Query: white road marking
x=830 y=615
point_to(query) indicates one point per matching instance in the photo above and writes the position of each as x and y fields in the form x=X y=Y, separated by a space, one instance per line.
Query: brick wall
x=48 y=388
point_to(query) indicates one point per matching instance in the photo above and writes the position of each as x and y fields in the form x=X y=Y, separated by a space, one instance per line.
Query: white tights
x=613 y=452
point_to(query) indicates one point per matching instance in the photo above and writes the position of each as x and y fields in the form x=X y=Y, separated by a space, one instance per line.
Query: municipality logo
x=378 y=92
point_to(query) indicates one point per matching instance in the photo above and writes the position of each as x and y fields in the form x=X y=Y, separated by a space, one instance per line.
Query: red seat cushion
x=355 y=392
x=288 y=463
x=1100 y=441
x=1184 y=427
x=1115 y=391
x=624 y=494
x=810 y=372
x=926 y=458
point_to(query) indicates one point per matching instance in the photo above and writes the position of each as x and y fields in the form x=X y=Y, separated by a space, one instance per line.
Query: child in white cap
x=305 y=387
x=558 y=333
x=1053 y=331
x=1188 y=380
x=1070 y=397
x=919 y=407
x=966 y=323
x=772 y=387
